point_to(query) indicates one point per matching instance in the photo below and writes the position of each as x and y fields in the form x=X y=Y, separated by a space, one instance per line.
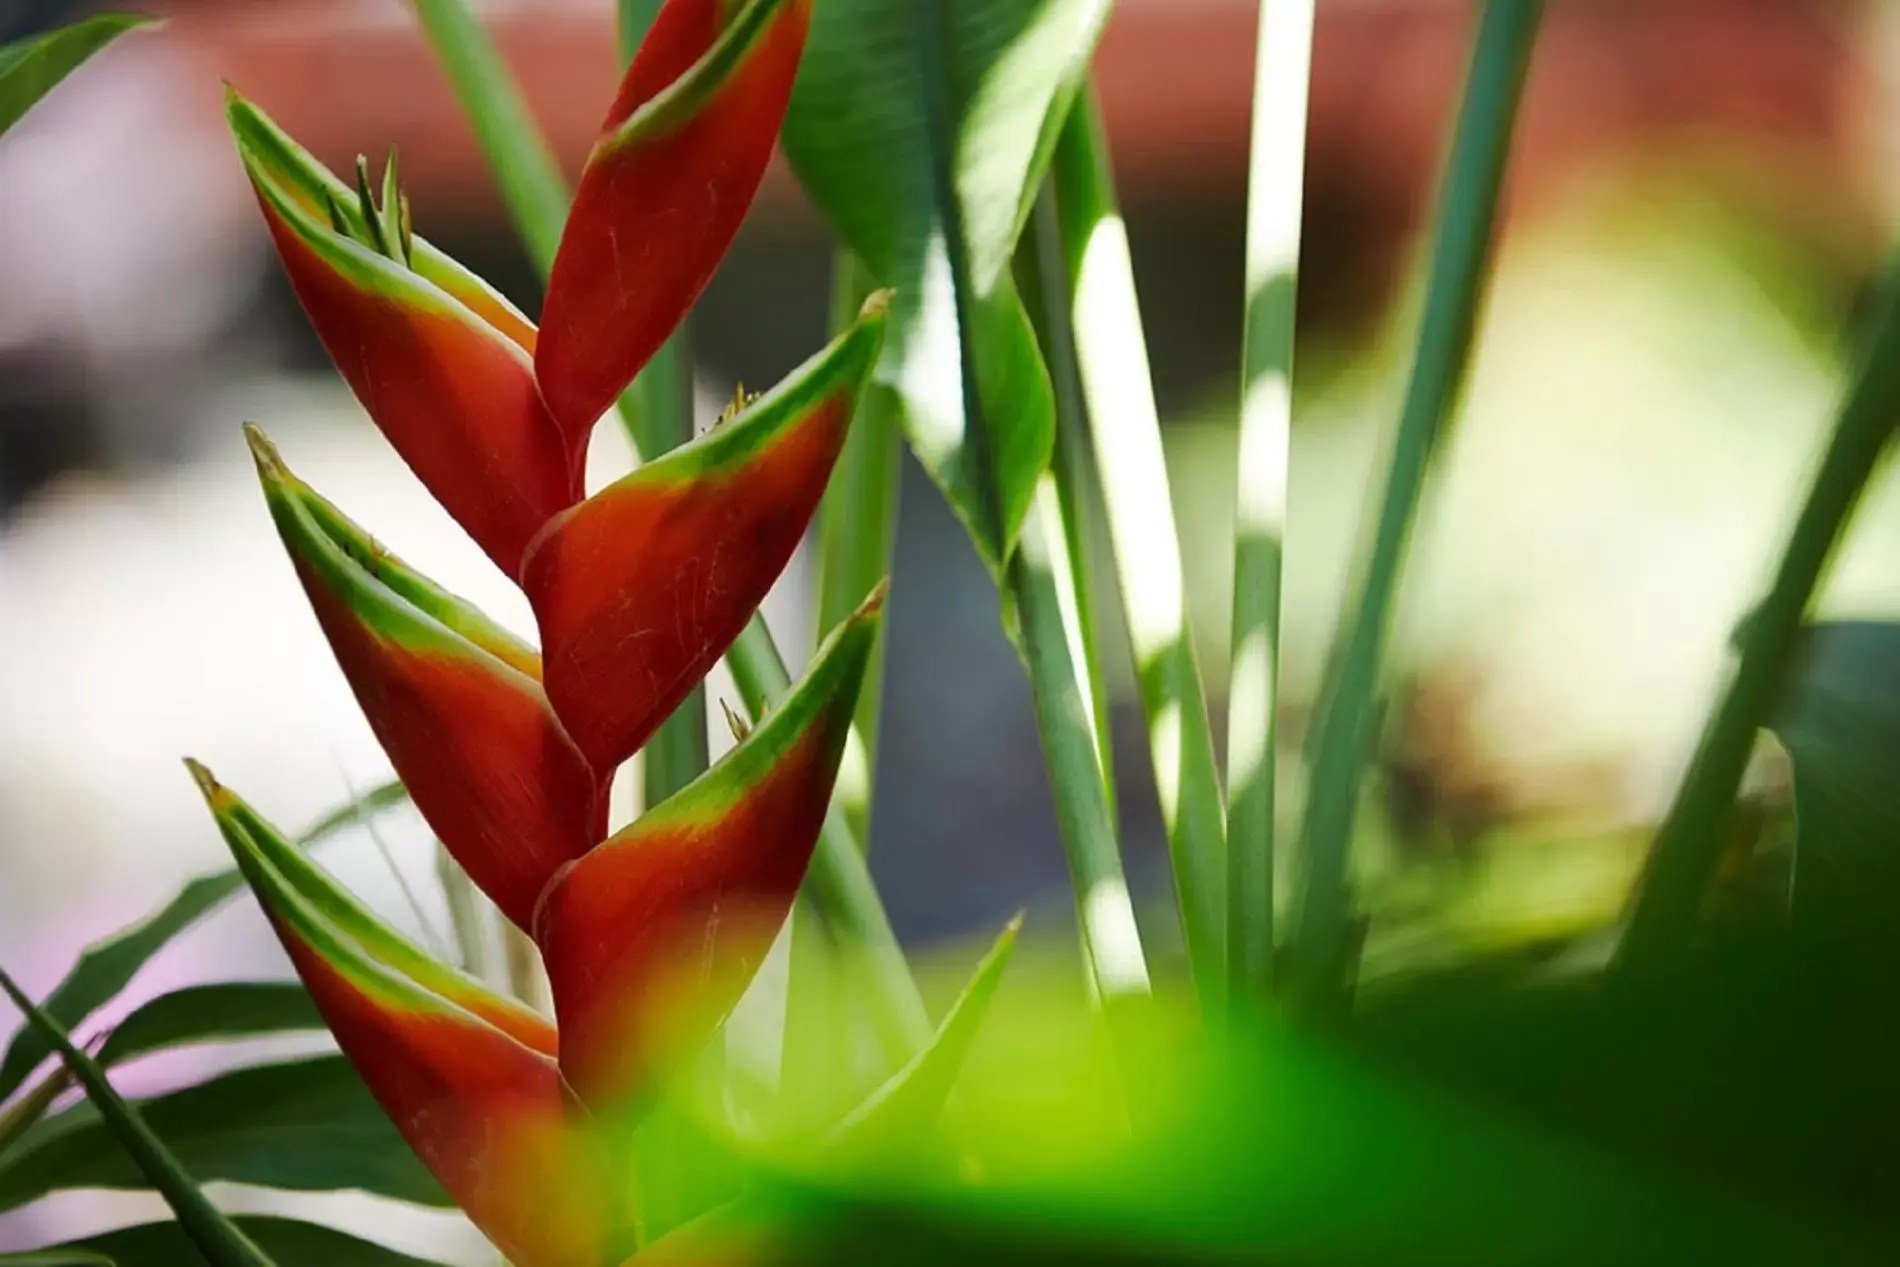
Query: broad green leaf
x=308 y=1126
x=210 y=1013
x=906 y=1108
x=922 y=131
x=1840 y=722
x=32 y=67
x=55 y=1258
x=106 y=966
x=289 y=1243
x=129 y=1140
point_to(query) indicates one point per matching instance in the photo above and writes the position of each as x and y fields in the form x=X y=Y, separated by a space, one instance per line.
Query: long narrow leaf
x=214 y=1236
x=289 y=1243
x=908 y=1105
x=210 y=1013
x=524 y=166
x=1275 y=198
x=302 y=1125
x=107 y=966
x=1320 y=945
x=1125 y=431
x=32 y=67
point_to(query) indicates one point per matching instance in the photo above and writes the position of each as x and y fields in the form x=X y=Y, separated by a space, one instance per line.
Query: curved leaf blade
x=922 y=131
x=305 y=1126
x=210 y=1013
x=106 y=967
x=32 y=67
x=909 y=1103
x=288 y=1242
x=138 y=1144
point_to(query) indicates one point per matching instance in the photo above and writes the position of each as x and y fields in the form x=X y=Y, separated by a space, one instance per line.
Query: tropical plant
x=1700 y=1083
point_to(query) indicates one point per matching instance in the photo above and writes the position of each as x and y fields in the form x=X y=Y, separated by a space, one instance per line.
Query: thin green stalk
x=524 y=166
x=1105 y=910
x=1320 y=949
x=470 y=915
x=1125 y=428
x=857 y=529
x=1689 y=846
x=1045 y=287
x=1275 y=198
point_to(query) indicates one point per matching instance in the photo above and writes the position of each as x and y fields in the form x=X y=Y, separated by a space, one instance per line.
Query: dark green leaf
x=32 y=67
x=288 y=1242
x=130 y=1141
x=1840 y=722
x=210 y=1013
x=106 y=966
x=55 y=1258
x=923 y=130
x=308 y=1126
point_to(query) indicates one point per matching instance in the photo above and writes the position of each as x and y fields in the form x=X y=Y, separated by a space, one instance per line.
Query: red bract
x=455 y=701
x=639 y=589
x=678 y=163
x=440 y=361
x=463 y=1074
x=651 y=938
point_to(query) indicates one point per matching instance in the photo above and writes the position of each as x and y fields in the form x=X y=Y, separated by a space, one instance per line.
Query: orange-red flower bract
x=484 y=1110
x=454 y=701
x=640 y=588
x=651 y=938
x=441 y=363
x=679 y=161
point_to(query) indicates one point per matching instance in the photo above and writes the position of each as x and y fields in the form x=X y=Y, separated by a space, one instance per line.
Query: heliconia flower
x=455 y=700
x=651 y=937
x=640 y=588
x=675 y=170
x=464 y=1074
x=442 y=363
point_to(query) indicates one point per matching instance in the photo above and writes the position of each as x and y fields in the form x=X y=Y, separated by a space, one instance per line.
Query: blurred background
x=1698 y=200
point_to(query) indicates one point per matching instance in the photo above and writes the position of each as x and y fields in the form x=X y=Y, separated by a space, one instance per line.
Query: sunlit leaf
x=922 y=130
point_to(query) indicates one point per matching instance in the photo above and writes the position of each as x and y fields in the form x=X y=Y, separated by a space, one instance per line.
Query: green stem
x=1125 y=428
x=1690 y=844
x=1321 y=946
x=1105 y=910
x=525 y=168
x=1045 y=289
x=1275 y=198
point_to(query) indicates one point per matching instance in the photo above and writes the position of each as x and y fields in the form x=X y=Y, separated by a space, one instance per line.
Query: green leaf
x=307 y=1125
x=1321 y=946
x=139 y=1149
x=907 y=1106
x=32 y=67
x=289 y=1243
x=210 y=1013
x=922 y=131
x=107 y=966
x=55 y=1258
x=1840 y=722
